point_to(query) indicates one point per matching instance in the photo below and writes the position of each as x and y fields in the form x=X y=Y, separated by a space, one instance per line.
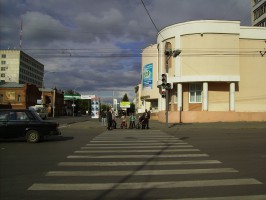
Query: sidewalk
x=214 y=125
x=65 y=120
x=155 y=125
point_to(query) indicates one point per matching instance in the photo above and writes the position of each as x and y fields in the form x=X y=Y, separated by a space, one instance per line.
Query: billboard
x=87 y=96
x=147 y=76
x=71 y=96
x=95 y=107
x=125 y=104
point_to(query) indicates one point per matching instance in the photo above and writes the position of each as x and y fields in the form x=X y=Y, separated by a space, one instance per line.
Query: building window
x=3 y=62
x=1 y=98
x=256 y=1
x=3 y=55
x=195 y=90
x=19 y=98
x=3 y=75
x=3 y=69
x=260 y=11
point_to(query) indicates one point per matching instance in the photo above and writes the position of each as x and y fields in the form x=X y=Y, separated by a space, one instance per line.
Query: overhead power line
x=151 y=19
x=114 y=53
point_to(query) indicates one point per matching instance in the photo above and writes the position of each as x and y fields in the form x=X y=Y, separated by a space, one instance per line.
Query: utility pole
x=54 y=103
x=168 y=86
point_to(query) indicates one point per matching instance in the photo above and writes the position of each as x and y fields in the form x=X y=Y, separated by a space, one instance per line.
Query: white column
x=161 y=54
x=161 y=71
x=232 y=97
x=144 y=104
x=205 y=96
x=179 y=96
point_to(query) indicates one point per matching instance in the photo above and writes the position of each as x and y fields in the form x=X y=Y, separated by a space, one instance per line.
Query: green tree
x=105 y=107
x=125 y=97
x=132 y=107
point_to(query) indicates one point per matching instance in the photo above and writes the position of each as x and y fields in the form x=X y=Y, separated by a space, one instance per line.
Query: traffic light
x=163 y=93
x=165 y=85
x=169 y=86
x=164 y=80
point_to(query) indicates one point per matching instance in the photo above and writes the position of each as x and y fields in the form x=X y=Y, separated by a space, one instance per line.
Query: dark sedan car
x=26 y=123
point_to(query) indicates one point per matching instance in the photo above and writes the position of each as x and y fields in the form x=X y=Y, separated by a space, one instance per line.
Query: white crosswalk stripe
x=141 y=156
x=150 y=163
x=136 y=151
x=136 y=147
x=144 y=185
x=154 y=154
x=138 y=144
x=140 y=173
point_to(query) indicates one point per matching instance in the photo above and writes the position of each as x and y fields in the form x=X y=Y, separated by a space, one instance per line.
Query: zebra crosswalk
x=166 y=162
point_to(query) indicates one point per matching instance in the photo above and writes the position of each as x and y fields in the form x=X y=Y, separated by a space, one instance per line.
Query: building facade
x=218 y=76
x=18 y=96
x=148 y=90
x=258 y=12
x=19 y=67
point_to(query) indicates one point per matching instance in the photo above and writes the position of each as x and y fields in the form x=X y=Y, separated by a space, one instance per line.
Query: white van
x=41 y=111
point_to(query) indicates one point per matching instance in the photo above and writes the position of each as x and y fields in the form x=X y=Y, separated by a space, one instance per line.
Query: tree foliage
x=125 y=97
x=70 y=92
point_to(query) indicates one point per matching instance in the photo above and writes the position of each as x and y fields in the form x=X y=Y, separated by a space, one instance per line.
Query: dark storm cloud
x=95 y=45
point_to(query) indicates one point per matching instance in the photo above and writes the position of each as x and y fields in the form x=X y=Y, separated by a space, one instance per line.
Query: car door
x=3 y=123
x=17 y=123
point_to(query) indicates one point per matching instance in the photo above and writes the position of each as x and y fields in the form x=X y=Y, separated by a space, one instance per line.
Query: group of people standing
x=109 y=118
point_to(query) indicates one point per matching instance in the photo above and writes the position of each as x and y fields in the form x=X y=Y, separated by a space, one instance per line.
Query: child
x=132 y=121
x=124 y=122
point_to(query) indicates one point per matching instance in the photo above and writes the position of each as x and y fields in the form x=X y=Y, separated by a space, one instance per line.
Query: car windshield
x=3 y=115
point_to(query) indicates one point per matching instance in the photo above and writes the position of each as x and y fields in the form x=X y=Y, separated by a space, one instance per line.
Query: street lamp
x=73 y=103
x=43 y=83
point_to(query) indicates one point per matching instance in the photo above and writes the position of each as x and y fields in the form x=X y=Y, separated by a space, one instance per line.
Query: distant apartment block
x=17 y=66
x=258 y=12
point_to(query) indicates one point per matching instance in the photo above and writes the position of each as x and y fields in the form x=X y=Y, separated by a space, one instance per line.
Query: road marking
x=135 y=138
x=143 y=185
x=248 y=197
x=128 y=131
x=137 y=144
x=63 y=126
x=141 y=172
x=134 y=151
x=141 y=156
x=139 y=147
x=134 y=141
x=150 y=163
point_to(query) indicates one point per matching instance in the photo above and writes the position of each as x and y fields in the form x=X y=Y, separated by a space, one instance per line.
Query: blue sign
x=147 y=76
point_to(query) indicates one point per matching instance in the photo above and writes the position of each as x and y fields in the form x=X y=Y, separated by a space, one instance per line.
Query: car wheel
x=33 y=136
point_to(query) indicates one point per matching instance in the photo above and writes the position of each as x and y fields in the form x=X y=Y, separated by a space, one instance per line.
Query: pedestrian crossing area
x=149 y=164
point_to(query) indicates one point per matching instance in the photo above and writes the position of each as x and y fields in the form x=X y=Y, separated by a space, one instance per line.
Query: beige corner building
x=218 y=76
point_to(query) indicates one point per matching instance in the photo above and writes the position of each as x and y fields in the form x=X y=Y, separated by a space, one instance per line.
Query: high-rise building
x=19 y=67
x=258 y=12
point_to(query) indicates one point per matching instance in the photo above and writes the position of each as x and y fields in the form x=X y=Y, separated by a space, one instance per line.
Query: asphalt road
x=189 y=161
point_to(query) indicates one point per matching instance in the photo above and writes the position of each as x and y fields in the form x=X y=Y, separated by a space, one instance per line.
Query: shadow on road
x=46 y=139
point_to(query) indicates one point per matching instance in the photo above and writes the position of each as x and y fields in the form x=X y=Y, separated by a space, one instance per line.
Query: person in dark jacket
x=109 y=119
x=147 y=115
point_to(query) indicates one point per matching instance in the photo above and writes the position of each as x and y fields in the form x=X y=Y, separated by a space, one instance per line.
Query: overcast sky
x=95 y=45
